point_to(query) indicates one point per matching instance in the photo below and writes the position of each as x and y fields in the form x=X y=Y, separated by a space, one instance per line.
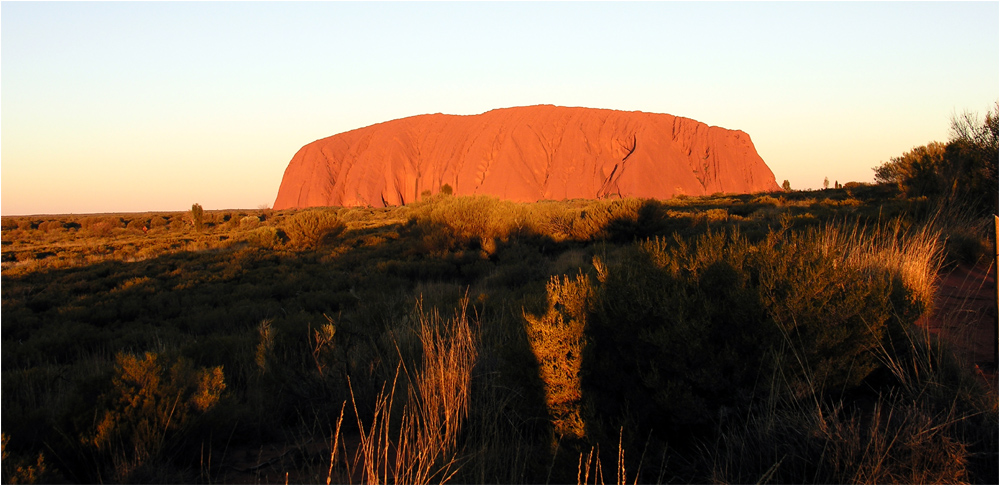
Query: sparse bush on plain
x=310 y=229
x=248 y=222
x=918 y=172
x=265 y=237
x=48 y=226
x=736 y=338
x=197 y=217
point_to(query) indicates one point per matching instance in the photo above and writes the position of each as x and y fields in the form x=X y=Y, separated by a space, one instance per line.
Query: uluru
x=524 y=154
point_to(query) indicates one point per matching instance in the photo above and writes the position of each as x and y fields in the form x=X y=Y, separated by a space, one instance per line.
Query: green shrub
x=48 y=226
x=137 y=226
x=477 y=218
x=249 y=222
x=312 y=228
x=918 y=172
x=264 y=237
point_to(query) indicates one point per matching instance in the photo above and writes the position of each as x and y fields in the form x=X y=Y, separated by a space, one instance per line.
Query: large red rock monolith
x=524 y=154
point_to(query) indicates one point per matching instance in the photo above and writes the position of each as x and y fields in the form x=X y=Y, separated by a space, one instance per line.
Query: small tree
x=980 y=133
x=918 y=172
x=197 y=216
x=961 y=173
x=972 y=156
x=826 y=183
x=786 y=186
x=446 y=190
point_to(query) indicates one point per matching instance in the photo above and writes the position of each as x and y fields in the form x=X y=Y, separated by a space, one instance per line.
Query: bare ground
x=965 y=316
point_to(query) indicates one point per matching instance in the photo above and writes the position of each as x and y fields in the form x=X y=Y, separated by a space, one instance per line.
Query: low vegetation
x=731 y=338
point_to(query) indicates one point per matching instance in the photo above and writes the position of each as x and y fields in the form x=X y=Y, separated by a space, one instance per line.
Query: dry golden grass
x=423 y=449
x=915 y=255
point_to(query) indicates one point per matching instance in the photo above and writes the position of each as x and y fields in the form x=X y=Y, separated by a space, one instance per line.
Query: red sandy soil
x=524 y=154
x=965 y=316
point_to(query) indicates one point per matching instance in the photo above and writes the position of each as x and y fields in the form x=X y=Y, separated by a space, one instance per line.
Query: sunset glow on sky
x=115 y=107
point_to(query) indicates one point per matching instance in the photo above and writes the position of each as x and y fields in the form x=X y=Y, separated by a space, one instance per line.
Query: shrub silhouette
x=918 y=172
x=675 y=337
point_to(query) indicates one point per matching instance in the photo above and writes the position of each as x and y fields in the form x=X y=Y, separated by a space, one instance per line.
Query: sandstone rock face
x=524 y=154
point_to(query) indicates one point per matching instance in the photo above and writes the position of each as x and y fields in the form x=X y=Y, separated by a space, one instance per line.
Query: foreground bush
x=148 y=404
x=685 y=333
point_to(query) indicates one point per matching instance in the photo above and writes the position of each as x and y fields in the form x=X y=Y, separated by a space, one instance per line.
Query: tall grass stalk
x=592 y=461
x=334 y=444
x=425 y=448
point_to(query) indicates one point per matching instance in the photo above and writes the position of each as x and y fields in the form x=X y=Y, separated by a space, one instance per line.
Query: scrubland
x=724 y=339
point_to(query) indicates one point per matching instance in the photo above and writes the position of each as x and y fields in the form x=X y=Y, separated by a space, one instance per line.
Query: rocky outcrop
x=524 y=154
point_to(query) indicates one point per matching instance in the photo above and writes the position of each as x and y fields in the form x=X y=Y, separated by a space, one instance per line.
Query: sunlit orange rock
x=524 y=154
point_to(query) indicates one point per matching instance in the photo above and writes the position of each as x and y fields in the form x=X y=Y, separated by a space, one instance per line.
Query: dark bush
x=962 y=172
x=671 y=347
x=683 y=333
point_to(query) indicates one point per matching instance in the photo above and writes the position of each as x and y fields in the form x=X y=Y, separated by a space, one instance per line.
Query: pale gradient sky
x=115 y=107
